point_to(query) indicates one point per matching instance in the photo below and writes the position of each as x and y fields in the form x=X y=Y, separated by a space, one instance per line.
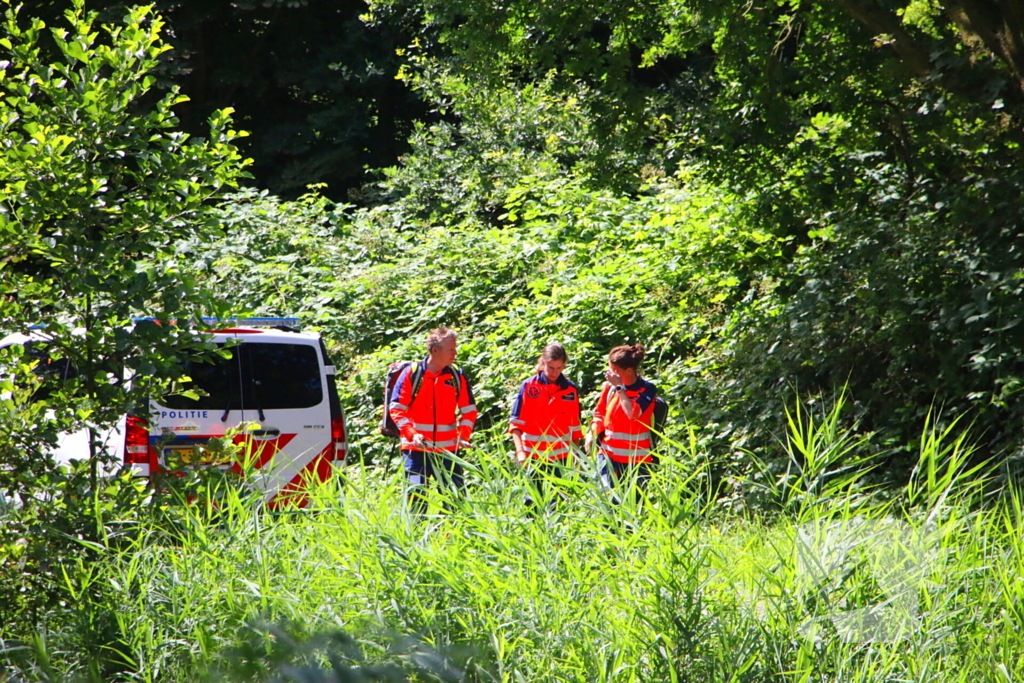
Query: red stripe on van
x=259 y=452
x=293 y=493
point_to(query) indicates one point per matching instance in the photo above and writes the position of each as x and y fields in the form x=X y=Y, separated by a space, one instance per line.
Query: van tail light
x=338 y=437
x=136 y=441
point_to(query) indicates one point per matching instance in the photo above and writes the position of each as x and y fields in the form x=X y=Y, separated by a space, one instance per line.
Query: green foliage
x=677 y=589
x=879 y=144
x=23 y=450
x=778 y=200
x=493 y=137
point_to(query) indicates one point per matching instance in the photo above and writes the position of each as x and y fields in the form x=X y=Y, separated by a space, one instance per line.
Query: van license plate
x=188 y=457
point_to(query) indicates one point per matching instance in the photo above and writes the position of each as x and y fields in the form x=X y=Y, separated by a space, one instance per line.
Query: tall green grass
x=672 y=587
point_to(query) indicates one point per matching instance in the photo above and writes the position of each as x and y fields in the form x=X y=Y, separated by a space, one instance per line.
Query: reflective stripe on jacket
x=548 y=415
x=437 y=411
x=625 y=439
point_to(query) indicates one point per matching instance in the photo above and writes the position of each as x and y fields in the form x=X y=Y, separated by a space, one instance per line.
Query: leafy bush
x=97 y=191
x=878 y=143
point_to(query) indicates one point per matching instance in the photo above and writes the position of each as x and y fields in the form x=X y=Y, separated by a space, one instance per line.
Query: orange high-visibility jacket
x=625 y=439
x=548 y=415
x=437 y=411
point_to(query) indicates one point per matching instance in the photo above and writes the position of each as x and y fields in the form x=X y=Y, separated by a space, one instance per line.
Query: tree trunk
x=989 y=27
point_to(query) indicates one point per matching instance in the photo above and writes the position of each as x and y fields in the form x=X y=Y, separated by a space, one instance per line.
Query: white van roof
x=270 y=329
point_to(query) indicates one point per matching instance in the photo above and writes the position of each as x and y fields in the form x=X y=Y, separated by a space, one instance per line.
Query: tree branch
x=995 y=26
x=998 y=26
x=881 y=21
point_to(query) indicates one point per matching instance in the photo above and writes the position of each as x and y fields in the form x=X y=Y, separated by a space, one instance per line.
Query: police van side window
x=282 y=376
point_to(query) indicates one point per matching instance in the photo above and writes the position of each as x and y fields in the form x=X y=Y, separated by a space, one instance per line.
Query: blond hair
x=437 y=336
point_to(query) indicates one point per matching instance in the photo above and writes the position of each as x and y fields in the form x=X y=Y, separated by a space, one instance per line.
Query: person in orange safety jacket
x=436 y=418
x=545 y=418
x=622 y=420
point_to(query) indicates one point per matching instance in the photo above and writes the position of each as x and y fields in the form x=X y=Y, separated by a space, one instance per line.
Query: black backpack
x=658 y=420
x=387 y=425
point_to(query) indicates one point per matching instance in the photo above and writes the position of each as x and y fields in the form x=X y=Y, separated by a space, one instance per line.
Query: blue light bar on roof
x=254 y=322
x=294 y=323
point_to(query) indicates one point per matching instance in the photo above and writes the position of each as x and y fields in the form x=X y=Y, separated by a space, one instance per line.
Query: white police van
x=273 y=394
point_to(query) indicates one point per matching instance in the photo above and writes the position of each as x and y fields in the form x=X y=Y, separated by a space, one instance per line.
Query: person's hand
x=521 y=457
x=464 y=444
x=613 y=378
x=588 y=443
x=418 y=441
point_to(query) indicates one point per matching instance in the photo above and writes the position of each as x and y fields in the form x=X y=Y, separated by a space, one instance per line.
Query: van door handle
x=266 y=432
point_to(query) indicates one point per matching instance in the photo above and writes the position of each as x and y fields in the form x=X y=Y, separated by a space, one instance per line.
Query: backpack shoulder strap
x=417 y=380
x=457 y=373
x=416 y=376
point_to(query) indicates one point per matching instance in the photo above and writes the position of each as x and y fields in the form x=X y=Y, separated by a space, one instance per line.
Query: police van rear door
x=286 y=394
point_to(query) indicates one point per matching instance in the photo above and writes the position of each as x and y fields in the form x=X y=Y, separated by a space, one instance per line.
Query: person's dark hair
x=627 y=356
x=553 y=351
x=436 y=337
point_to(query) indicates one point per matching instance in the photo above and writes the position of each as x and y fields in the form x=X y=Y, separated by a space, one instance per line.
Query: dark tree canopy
x=313 y=85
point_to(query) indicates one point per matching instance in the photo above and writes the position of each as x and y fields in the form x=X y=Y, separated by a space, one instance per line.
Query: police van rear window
x=254 y=376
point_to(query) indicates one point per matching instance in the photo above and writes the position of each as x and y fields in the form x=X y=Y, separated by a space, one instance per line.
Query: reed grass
x=669 y=587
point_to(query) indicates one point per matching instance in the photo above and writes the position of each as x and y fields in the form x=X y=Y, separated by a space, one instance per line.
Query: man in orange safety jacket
x=432 y=405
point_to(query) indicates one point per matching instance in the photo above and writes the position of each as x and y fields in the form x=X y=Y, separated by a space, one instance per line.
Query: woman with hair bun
x=622 y=419
x=546 y=417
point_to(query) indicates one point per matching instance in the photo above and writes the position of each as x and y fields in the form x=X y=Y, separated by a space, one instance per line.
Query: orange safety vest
x=548 y=415
x=437 y=411
x=625 y=439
